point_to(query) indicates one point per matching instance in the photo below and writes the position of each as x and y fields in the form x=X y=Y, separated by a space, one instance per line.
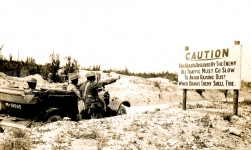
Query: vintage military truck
x=46 y=105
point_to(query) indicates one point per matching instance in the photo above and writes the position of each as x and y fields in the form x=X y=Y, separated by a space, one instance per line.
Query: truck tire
x=97 y=114
x=121 y=110
x=53 y=118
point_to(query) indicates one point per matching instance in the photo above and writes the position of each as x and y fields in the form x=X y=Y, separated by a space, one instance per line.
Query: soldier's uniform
x=73 y=107
x=32 y=83
x=91 y=96
x=73 y=87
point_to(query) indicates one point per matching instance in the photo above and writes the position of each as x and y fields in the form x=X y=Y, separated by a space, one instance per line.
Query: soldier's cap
x=73 y=76
x=32 y=80
x=90 y=74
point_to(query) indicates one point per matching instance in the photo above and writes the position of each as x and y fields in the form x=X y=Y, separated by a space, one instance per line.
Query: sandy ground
x=155 y=120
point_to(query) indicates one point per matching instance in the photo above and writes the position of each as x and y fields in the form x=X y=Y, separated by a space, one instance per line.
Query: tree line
x=53 y=72
x=49 y=71
x=163 y=74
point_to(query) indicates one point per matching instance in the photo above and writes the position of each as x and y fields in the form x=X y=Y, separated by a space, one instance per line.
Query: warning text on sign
x=211 y=69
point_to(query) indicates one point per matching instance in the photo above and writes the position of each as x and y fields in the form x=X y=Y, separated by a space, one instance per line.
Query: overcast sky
x=142 y=35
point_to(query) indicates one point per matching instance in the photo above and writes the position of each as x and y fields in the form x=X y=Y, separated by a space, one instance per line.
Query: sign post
x=211 y=69
x=236 y=92
x=185 y=90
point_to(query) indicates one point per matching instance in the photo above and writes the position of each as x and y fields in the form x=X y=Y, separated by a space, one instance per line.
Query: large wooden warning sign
x=211 y=69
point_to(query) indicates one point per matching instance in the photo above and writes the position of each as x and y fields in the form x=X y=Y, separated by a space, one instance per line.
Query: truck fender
x=115 y=103
x=48 y=112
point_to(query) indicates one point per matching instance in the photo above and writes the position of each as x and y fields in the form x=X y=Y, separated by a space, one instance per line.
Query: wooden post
x=236 y=92
x=184 y=99
x=186 y=48
x=185 y=90
x=235 y=102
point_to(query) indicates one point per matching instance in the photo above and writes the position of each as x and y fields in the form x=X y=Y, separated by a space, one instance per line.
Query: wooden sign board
x=211 y=69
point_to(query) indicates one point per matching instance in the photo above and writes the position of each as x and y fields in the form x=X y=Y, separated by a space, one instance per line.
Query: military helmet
x=32 y=80
x=90 y=74
x=73 y=76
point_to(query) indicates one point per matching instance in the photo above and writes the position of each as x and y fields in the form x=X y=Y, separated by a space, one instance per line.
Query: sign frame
x=211 y=69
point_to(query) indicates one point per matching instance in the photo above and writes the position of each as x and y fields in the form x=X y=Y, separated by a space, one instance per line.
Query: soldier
x=73 y=85
x=89 y=90
x=32 y=83
x=73 y=77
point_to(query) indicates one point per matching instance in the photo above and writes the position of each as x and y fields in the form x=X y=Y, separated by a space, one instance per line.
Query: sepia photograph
x=125 y=75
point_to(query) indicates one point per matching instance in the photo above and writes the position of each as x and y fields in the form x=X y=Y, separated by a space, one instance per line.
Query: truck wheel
x=96 y=116
x=121 y=110
x=54 y=118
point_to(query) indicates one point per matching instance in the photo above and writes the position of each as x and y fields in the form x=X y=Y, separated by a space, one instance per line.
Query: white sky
x=142 y=35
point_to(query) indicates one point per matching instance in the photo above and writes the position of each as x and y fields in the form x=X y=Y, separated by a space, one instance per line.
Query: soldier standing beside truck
x=89 y=90
x=73 y=77
x=73 y=85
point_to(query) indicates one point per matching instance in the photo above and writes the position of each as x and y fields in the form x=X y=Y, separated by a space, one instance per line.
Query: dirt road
x=138 y=109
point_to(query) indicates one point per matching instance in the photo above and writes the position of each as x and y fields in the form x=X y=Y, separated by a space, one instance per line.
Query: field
x=155 y=120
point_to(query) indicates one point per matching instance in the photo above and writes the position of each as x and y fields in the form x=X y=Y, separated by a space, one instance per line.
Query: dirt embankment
x=160 y=124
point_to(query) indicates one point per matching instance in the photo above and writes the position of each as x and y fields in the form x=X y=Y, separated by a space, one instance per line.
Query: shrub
x=31 y=66
x=19 y=68
x=94 y=68
x=163 y=74
x=227 y=116
x=51 y=68
x=246 y=101
x=206 y=121
x=245 y=84
x=156 y=84
x=17 y=140
x=71 y=65
x=55 y=65
x=45 y=70
x=224 y=91
x=200 y=91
